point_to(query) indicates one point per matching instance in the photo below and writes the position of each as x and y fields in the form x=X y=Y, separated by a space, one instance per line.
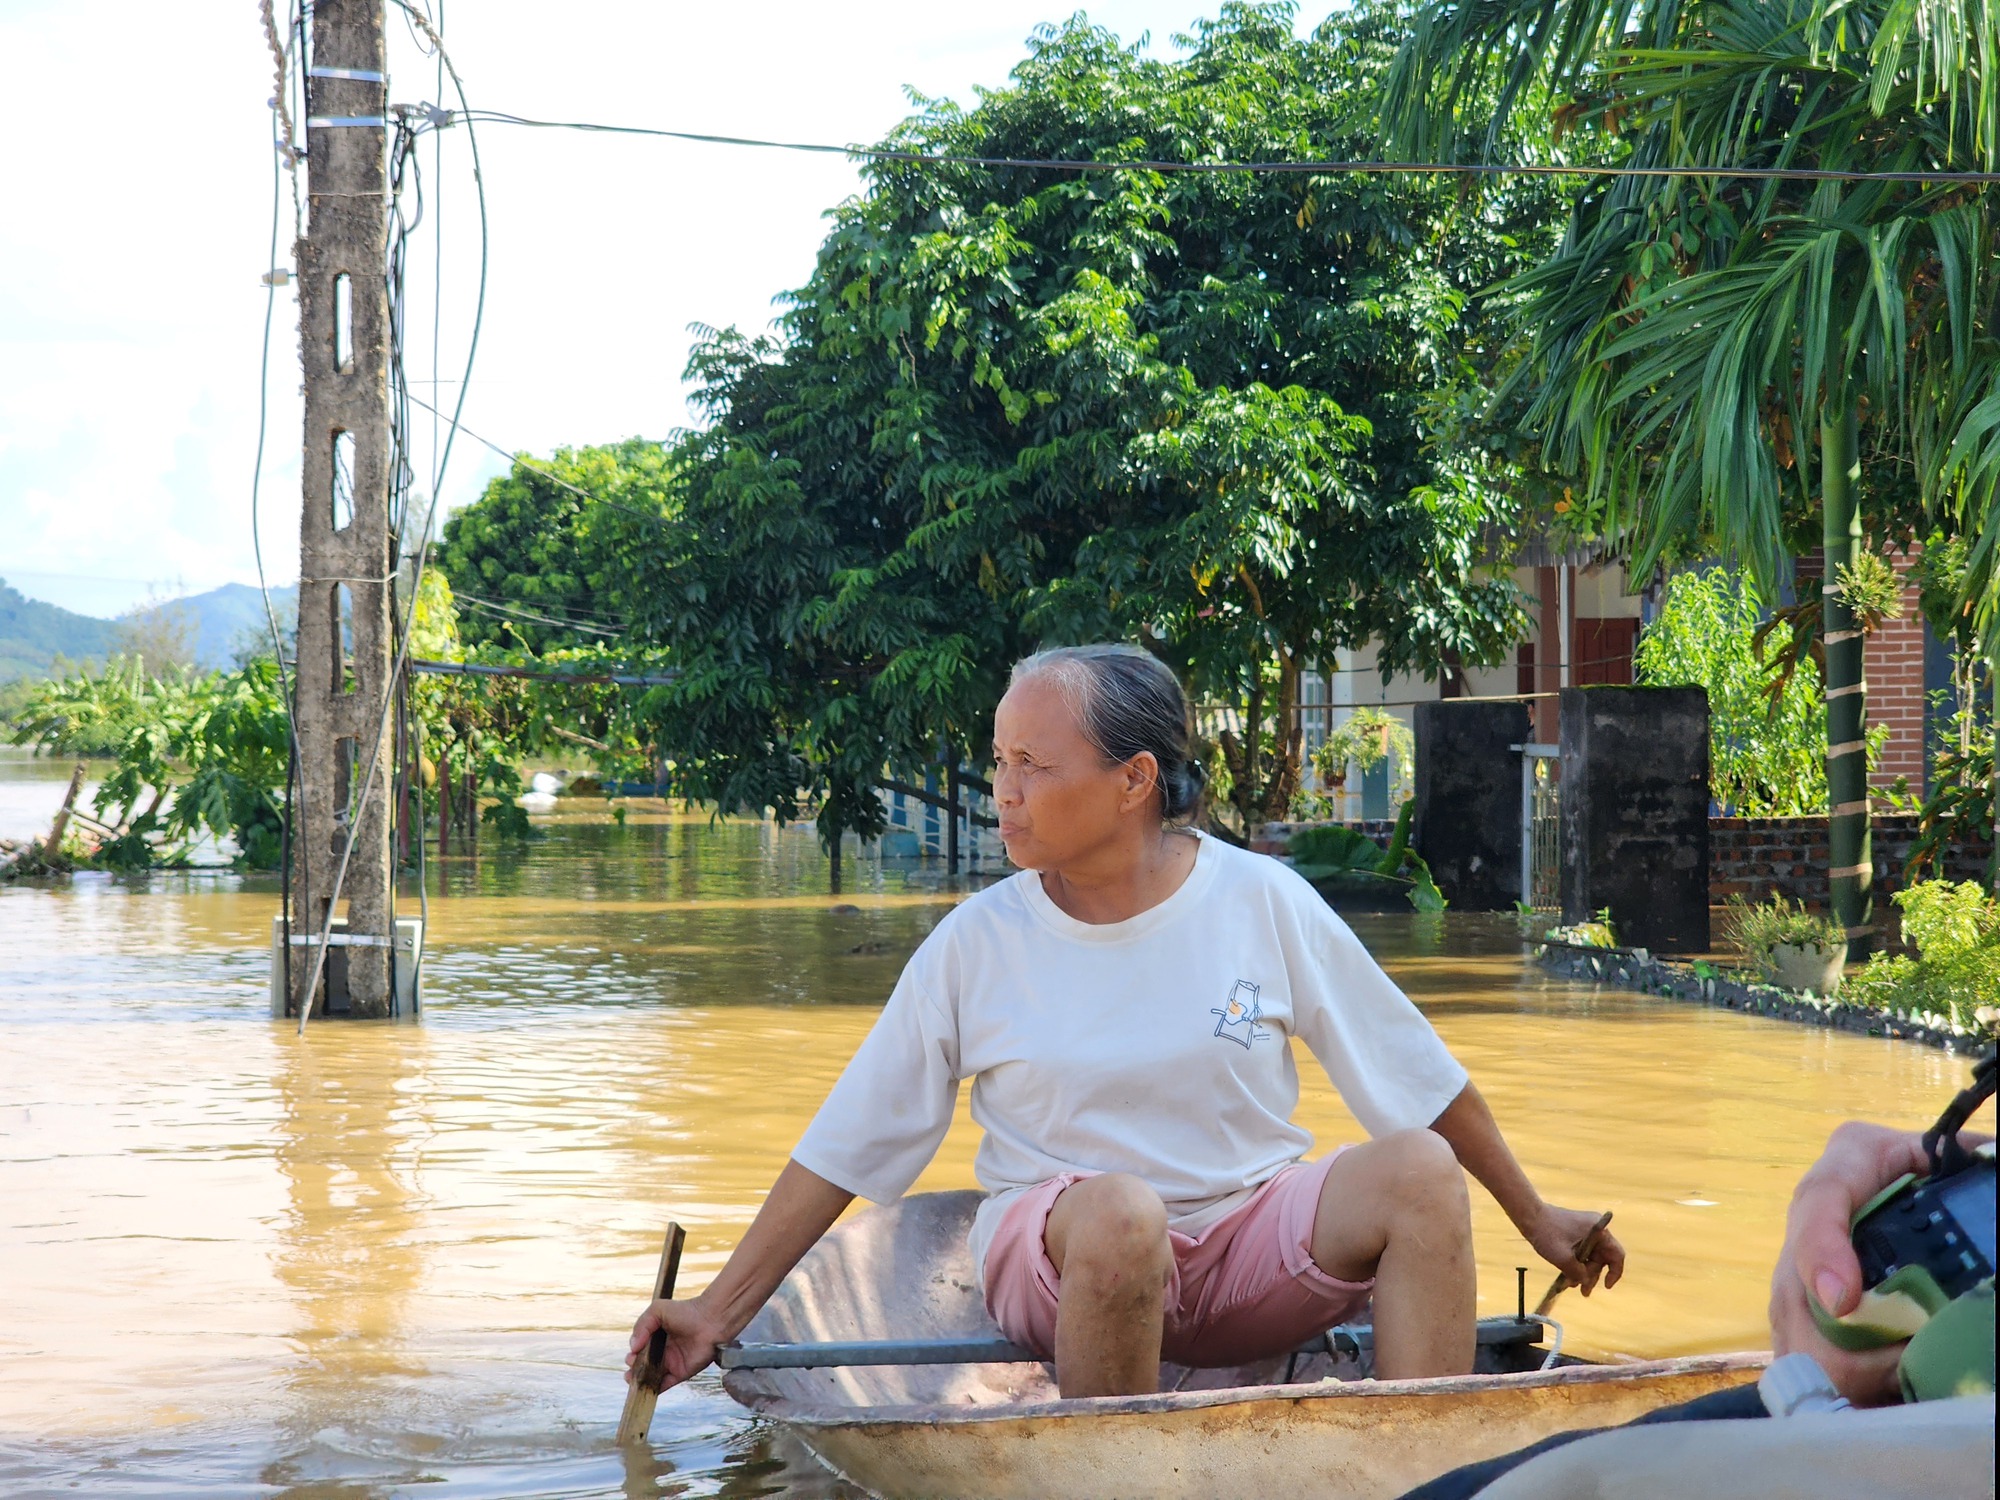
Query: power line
x=1267 y=168
x=548 y=474
x=506 y=612
x=480 y=669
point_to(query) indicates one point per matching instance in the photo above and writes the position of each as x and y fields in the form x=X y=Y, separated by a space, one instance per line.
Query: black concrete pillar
x=1635 y=812
x=1467 y=823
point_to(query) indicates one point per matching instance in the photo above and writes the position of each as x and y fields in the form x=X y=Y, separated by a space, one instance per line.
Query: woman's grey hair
x=1126 y=700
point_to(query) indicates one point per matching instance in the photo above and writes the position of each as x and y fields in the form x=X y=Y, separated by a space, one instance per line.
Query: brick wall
x=1760 y=857
x=1755 y=858
x=1893 y=660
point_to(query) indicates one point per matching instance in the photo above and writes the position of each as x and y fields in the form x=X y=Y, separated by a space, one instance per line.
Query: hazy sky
x=137 y=177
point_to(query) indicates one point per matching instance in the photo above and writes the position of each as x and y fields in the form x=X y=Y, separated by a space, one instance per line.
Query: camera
x=1926 y=1247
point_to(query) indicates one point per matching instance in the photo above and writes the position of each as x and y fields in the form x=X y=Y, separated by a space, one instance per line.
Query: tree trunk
x=1850 y=857
x=1287 y=743
x=444 y=800
x=1249 y=790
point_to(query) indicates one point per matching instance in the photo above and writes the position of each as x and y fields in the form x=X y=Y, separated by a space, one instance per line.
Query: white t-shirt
x=1158 y=1046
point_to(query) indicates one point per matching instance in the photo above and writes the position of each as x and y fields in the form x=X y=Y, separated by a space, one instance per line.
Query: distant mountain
x=230 y=621
x=34 y=634
x=217 y=627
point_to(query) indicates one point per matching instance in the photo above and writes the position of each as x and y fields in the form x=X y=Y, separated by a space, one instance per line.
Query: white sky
x=137 y=179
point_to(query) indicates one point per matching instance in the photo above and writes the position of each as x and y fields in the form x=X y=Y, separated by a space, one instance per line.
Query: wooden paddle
x=1584 y=1248
x=644 y=1392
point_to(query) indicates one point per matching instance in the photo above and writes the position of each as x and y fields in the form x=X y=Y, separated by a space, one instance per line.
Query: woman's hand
x=1556 y=1232
x=1860 y=1161
x=692 y=1334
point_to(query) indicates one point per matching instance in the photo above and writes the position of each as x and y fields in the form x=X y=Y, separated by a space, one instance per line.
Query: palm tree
x=1693 y=330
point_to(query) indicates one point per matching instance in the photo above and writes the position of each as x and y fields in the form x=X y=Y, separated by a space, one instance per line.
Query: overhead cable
x=549 y=474
x=507 y=612
x=1326 y=167
x=480 y=669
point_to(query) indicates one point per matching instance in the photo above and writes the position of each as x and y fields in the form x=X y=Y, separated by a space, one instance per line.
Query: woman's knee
x=1422 y=1176
x=1114 y=1220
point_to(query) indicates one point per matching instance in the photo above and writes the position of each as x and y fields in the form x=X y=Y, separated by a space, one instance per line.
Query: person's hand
x=1555 y=1234
x=1860 y=1160
x=692 y=1335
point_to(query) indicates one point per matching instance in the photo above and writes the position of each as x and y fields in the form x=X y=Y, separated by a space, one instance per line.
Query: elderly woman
x=1125 y=1007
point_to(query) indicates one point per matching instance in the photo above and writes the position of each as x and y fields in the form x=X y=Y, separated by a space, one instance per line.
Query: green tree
x=1723 y=359
x=1018 y=405
x=535 y=560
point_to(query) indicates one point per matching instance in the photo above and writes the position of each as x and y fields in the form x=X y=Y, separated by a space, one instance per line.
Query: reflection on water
x=403 y=1257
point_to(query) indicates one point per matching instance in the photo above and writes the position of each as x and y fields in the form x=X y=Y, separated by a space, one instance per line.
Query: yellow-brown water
x=397 y=1259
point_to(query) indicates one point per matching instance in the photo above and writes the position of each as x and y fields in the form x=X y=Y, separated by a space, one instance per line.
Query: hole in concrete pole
x=343 y=638
x=343 y=786
x=343 y=324
x=343 y=480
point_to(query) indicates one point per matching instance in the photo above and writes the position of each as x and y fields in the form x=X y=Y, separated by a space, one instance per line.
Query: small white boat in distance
x=1307 y=1424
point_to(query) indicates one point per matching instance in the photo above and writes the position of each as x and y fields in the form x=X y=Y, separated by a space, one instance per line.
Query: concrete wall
x=1467 y=824
x=1635 y=812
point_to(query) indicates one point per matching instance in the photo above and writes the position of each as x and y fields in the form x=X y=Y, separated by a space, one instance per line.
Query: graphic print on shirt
x=1239 y=1016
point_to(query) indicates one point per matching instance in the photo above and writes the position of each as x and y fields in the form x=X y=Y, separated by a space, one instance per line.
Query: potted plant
x=1368 y=737
x=1789 y=945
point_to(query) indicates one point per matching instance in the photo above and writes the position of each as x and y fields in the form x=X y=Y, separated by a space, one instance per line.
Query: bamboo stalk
x=647 y=1374
x=1851 y=862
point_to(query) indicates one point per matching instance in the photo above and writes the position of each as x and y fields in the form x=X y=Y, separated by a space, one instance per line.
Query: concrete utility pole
x=346 y=551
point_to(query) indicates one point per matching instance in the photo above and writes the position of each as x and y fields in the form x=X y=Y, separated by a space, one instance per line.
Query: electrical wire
x=282 y=120
x=1311 y=168
x=481 y=669
x=506 y=612
x=566 y=616
x=430 y=516
x=548 y=474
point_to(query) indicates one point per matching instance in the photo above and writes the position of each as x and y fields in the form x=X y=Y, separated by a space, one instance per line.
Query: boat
x=878 y=1355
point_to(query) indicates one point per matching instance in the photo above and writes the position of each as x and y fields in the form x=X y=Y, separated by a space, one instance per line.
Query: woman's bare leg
x=1107 y=1237
x=1396 y=1208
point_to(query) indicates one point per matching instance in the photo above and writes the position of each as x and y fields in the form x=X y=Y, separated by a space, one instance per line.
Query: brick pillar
x=1894 y=661
x=1548 y=656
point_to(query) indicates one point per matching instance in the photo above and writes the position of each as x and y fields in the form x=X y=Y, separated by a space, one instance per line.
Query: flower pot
x=1800 y=968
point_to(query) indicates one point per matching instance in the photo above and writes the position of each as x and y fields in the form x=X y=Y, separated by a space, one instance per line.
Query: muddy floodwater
x=402 y=1259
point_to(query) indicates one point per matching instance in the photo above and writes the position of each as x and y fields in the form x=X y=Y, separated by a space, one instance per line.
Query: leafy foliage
x=88 y=711
x=1692 y=334
x=539 y=561
x=1958 y=813
x=1756 y=930
x=196 y=754
x=1021 y=405
x=1347 y=858
x=1956 y=973
x=1366 y=738
x=1766 y=758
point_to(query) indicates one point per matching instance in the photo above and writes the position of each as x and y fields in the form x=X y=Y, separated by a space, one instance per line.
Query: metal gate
x=1541 y=827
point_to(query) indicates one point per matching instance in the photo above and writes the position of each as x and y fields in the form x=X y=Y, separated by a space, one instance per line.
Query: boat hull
x=1341 y=1441
x=1001 y=1431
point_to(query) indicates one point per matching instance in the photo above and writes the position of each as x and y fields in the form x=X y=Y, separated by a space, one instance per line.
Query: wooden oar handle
x=644 y=1392
x=1583 y=1249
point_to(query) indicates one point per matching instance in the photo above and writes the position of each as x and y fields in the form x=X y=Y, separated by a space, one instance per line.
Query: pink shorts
x=1245 y=1289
